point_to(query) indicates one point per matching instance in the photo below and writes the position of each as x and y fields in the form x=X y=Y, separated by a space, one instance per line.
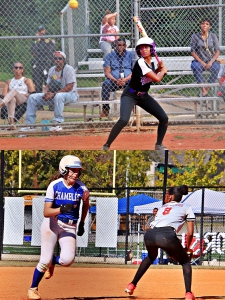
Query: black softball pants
x=149 y=104
x=166 y=239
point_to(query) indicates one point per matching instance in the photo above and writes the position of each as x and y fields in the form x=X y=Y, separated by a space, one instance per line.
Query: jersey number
x=167 y=210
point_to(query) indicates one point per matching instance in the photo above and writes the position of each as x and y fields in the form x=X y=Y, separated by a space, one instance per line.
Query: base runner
x=61 y=212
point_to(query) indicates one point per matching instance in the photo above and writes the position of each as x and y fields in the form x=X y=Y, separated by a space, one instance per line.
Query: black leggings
x=149 y=104
x=166 y=239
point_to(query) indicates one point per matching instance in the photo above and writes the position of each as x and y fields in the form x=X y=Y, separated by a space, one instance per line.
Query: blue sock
x=36 y=278
x=55 y=260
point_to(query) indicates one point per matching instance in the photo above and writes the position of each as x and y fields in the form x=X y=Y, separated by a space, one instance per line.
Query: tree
x=98 y=168
x=198 y=168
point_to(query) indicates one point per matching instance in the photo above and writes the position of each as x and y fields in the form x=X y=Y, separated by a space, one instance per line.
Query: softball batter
x=61 y=212
x=162 y=234
x=136 y=93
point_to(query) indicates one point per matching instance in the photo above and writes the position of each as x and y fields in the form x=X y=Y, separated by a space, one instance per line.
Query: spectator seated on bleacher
x=16 y=92
x=61 y=89
x=205 y=50
x=117 y=69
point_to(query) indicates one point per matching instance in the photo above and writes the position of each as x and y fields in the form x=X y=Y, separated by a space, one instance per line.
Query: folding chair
x=19 y=112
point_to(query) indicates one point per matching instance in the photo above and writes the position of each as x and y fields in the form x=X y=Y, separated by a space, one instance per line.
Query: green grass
x=89 y=82
x=5 y=76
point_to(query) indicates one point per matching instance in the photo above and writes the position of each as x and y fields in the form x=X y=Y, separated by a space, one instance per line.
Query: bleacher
x=169 y=92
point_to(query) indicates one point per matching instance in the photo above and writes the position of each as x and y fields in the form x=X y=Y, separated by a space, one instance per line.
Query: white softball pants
x=51 y=231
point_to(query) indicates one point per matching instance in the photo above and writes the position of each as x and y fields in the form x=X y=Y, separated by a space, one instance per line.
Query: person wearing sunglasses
x=61 y=89
x=117 y=68
x=16 y=92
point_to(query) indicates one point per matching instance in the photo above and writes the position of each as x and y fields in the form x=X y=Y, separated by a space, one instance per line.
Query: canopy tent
x=134 y=200
x=214 y=202
x=147 y=208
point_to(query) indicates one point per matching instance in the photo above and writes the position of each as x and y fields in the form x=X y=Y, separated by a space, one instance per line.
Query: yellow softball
x=73 y=4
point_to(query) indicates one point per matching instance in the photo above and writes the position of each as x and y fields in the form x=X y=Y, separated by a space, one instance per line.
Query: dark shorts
x=166 y=239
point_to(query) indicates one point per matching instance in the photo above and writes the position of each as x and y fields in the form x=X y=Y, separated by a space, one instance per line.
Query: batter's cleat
x=105 y=147
x=160 y=147
x=49 y=272
x=130 y=288
x=33 y=294
x=189 y=296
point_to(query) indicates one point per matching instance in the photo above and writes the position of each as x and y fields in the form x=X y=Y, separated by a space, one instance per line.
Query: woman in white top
x=162 y=234
x=108 y=27
x=16 y=91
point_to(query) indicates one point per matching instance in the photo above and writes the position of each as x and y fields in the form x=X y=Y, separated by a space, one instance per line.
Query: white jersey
x=19 y=85
x=173 y=214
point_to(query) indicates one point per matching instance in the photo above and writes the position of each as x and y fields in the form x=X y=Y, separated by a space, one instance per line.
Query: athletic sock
x=55 y=260
x=161 y=133
x=145 y=264
x=36 y=278
x=187 y=272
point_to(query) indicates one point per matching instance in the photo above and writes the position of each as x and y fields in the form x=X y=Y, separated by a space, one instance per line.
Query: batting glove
x=66 y=208
x=80 y=231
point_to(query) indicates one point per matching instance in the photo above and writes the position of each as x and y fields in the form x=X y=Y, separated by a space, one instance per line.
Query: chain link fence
x=77 y=33
x=116 y=235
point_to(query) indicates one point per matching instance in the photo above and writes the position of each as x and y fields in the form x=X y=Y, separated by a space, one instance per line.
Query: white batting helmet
x=145 y=41
x=69 y=161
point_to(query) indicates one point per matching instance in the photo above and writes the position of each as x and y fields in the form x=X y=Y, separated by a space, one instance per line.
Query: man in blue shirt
x=117 y=68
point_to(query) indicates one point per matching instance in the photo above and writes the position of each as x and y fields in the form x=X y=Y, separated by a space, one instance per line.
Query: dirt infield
x=109 y=283
x=177 y=138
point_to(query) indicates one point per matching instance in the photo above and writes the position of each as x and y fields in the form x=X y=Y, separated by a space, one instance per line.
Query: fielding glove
x=66 y=208
x=80 y=231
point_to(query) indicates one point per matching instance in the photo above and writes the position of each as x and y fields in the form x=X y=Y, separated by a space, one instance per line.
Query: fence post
x=164 y=192
x=201 y=226
x=127 y=223
x=1 y=202
x=136 y=38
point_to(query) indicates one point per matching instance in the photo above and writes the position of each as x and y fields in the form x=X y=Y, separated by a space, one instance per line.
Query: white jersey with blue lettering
x=60 y=194
x=173 y=214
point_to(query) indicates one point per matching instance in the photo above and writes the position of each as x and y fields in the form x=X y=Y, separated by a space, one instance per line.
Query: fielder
x=61 y=212
x=162 y=234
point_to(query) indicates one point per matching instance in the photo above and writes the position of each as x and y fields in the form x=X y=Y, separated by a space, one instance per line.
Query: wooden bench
x=158 y=49
x=176 y=63
x=178 y=67
x=169 y=100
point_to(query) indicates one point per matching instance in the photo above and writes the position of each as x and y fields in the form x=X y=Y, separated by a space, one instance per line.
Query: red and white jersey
x=173 y=214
